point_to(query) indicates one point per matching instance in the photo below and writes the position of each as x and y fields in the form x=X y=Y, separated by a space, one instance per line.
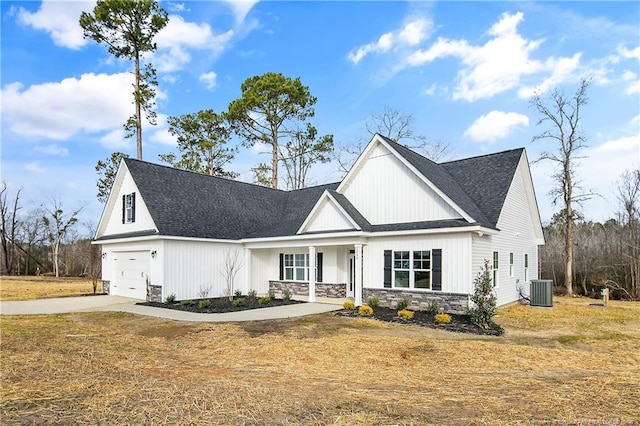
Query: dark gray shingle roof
x=188 y=204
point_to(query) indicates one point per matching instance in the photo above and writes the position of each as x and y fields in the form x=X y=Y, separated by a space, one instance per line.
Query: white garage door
x=130 y=276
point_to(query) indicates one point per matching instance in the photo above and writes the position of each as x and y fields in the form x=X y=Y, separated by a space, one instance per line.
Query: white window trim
x=411 y=270
x=511 y=266
x=525 y=263
x=293 y=268
x=495 y=269
x=128 y=208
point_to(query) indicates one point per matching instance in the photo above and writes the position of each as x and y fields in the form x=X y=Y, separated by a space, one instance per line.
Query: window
x=511 y=264
x=129 y=208
x=526 y=267
x=412 y=269
x=296 y=267
x=495 y=268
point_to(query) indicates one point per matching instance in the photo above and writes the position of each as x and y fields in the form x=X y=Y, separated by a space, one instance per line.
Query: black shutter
x=281 y=266
x=436 y=269
x=133 y=207
x=124 y=202
x=319 y=267
x=387 y=269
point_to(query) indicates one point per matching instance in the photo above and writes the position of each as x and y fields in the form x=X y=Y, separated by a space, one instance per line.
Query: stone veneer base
x=454 y=303
x=302 y=289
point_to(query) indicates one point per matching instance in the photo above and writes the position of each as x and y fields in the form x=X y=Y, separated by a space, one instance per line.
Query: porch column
x=312 y=274
x=247 y=271
x=358 y=275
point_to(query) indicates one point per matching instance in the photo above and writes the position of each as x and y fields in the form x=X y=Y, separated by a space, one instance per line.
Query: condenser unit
x=541 y=293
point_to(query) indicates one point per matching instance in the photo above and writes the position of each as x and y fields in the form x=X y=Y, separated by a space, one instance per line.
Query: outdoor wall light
x=154 y=254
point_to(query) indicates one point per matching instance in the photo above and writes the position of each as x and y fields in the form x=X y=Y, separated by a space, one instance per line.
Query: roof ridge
x=482 y=155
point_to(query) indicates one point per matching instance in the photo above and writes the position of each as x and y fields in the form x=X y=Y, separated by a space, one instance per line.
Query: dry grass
x=573 y=364
x=41 y=287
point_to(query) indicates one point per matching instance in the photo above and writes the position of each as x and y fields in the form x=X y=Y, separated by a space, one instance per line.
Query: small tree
x=303 y=150
x=232 y=264
x=9 y=228
x=107 y=170
x=57 y=226
x=483 y=298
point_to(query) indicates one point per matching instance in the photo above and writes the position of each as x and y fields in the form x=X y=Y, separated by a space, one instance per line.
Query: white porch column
x=247 y=271
x=358 y=275
x=312 y=274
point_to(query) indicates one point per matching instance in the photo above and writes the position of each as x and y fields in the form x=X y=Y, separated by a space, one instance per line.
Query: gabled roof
x=188 y=204
x=478 y=185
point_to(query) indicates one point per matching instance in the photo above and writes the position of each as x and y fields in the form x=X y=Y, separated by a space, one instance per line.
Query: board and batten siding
x=327 y=218
x=143 y=220
x=517 y=235
x=385 y=191
x=456 y=258
x=193 y=266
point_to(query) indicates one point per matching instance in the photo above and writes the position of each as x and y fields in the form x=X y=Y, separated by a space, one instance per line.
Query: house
x=398 y=225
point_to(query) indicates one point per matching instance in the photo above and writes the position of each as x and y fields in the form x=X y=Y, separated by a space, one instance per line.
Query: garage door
x=130 y=276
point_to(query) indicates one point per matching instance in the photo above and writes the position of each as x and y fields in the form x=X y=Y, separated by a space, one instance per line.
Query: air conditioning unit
x=541 y=293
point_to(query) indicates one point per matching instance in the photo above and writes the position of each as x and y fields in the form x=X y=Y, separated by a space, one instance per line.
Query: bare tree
x=233 y=262
x=303 y=150
x=629 y=197
x=9 y=229
x=57 y=226
x=562 y=115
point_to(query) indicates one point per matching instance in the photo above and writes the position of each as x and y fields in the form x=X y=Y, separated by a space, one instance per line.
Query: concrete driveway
x=122 y=304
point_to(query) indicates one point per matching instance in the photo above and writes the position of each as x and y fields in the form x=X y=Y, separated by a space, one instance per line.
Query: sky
x=465 y=72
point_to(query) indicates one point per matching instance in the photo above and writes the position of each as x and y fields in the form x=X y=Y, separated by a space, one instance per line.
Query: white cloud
x=562 y=69
x=59 y=110
x=178 y=37
x=411 y=34
x=35 y=167
x=629 y=53
x=177 y=7
x=160 y=134
x=430 y=91
x=495 y=125
x=209 y=79
x=53 y=150
x=241 y=8
x=631 y=78
x=116 y=141
x=60 y=20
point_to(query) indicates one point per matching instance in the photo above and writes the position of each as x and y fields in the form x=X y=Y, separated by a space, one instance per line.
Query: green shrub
x=483 y=299
x=405 y=314
x=365 y=310
x=238 y=302
x=204 y=304
x=271 y=294
x=238 y=293
x=187 y=302
x=170 y=299
x=349 y=305
x=432 y=308
x=403 y=303
x=373 y=301
x=286 y=295
x=442 y=318
x=264 y=300
x=252 y=294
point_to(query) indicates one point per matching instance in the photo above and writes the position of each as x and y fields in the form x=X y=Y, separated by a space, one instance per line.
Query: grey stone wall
x=302 y=289
x=450 y=302
x=154 y=293
x=106 y=285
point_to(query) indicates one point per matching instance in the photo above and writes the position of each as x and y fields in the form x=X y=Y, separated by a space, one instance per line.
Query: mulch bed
x=220 y=305
x=458 y=324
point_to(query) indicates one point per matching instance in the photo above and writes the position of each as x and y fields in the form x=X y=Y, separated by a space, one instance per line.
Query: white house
x=398 y=225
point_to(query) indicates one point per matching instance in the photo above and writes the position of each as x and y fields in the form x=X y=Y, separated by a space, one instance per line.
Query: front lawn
x=572 y=364
x=42 y=287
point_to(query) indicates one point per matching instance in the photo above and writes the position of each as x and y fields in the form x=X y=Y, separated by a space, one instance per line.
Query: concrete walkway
x=123 y=304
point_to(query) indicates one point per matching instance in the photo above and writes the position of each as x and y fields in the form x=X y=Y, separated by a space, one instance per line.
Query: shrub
x=170 y=299
x=373 y=301
x=442 y=318
x=271 y=294
x=187 y=302
x=264 y=300
x=433 y=308
x=483 y=299
x=349 y=305
x=286 y=295
x=365 y=310
x=238 y=302
x=405 y=314
x=204 y=304
x=252 y=294
x=238 y=293
x=403 y=303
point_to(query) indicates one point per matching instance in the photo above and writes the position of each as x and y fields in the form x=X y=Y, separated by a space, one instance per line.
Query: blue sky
x=464 y=70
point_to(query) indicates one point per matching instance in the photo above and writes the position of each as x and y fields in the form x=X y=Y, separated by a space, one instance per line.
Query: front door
x=352 y=274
